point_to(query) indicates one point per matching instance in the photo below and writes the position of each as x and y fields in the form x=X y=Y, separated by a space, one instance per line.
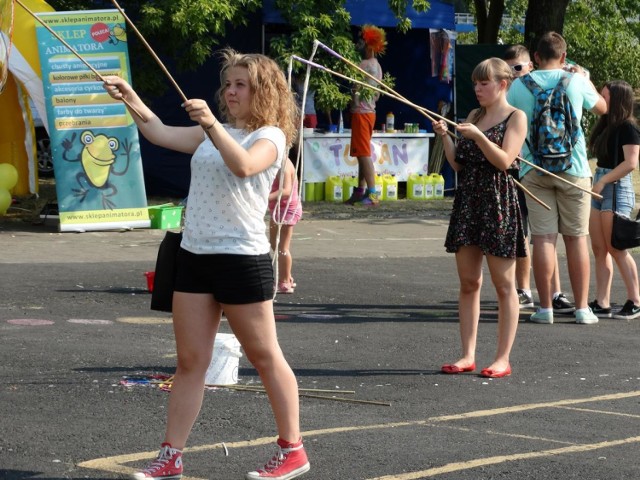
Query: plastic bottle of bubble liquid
x=428 y=188
x=379 y=185
x=309 y=192
x=415 y=187
x=333 y=189
x=348 y=184
x=390 y=187
x=438 y=185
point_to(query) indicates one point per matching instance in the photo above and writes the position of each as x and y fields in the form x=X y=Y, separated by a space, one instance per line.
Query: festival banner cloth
x=327 y=155
x=94 y=141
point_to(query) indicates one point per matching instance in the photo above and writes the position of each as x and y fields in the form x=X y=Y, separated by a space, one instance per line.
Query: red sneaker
x=290 y=462
x=167 y=466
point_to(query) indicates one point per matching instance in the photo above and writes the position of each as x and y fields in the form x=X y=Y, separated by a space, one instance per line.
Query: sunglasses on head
x=519 y=67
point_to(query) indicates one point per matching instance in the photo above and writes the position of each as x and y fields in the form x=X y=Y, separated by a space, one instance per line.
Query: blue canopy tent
x=377 y=12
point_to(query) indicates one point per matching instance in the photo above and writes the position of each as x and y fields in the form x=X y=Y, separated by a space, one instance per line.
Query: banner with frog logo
x=94 y=141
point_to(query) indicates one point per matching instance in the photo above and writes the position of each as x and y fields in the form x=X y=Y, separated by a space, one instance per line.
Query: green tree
x=330 y=23
x=496 y=21
x=609 y=48
x=543 y=16
x=187 y=31
x=608 y=44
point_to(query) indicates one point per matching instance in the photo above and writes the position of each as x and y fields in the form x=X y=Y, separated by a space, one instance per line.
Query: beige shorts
x=570 y=206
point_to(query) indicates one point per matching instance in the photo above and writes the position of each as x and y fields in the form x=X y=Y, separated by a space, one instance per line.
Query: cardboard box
x=165 y=216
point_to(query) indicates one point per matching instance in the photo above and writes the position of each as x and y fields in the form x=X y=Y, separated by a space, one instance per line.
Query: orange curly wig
x=375 y=38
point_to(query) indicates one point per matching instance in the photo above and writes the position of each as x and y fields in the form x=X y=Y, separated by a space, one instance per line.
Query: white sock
x=556 y=295
x=545 y=310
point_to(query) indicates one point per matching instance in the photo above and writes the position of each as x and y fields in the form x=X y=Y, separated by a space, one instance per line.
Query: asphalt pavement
x=372 y=319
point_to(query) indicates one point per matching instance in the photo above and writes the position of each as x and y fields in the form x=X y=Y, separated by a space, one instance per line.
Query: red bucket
x=150 y=277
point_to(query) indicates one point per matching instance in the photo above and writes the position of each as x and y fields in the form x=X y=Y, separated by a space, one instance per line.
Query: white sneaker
x=524 y=299
x=539 y=317
x=586 y=317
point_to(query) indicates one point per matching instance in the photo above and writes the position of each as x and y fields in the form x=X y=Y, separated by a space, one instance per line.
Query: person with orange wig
x=363 y=116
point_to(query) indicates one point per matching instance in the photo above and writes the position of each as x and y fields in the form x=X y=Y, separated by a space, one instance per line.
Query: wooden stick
x=349 y=400
x=259 y=388
x=72 y=50
x=368 y=75
x=158 y=61
x=525 y=190
x=353 y=80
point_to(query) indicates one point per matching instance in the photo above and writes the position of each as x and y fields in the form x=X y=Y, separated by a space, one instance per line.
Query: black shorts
x=231 y=279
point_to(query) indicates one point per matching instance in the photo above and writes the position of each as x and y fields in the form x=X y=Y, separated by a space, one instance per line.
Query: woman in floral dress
x=486 y=218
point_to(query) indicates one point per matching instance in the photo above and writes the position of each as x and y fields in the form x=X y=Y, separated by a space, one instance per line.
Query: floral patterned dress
x=485 y=212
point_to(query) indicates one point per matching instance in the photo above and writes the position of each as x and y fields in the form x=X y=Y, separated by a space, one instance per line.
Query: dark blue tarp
x=440 y=14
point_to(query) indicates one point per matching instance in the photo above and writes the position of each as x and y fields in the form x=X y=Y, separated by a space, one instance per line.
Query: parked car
x=43 y=145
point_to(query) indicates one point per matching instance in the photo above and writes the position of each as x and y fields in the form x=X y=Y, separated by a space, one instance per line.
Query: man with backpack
x=553 y=99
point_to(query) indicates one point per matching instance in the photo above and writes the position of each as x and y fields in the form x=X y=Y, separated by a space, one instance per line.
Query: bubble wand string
x=353 y=80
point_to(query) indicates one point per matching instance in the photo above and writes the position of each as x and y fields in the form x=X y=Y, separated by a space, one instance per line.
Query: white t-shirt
x=225 y=213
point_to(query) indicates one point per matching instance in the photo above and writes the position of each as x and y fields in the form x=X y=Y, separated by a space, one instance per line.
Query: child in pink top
x=286 y=214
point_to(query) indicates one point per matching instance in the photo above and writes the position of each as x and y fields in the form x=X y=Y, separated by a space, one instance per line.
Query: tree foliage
x=185 y=31
x=188 y=32
x=609 y=48
x=329 y=22
x=608 y=44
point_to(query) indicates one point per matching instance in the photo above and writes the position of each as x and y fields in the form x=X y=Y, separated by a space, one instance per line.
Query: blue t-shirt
x=581 y=94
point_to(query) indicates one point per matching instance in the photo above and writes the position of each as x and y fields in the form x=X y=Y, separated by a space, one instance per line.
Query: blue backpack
x=554 y=125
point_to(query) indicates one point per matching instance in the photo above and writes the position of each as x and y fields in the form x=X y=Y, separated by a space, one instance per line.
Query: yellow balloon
x=5 y=200
x=8 y=176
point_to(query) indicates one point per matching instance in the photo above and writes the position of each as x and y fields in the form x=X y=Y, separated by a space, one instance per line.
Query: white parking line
x=116 y=464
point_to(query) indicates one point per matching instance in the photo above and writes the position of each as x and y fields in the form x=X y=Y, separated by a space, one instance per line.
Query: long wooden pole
x=389 y=91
